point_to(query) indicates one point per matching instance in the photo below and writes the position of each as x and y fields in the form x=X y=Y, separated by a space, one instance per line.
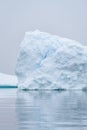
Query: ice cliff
x=47 y=61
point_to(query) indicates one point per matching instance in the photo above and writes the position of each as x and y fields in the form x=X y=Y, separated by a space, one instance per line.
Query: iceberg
x=7 y=80
x=48 y=61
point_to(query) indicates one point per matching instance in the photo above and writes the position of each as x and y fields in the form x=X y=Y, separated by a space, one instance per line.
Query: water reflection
x=51 y=110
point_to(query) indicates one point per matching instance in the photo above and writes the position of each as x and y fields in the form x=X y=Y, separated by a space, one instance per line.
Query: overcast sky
x=67 y=18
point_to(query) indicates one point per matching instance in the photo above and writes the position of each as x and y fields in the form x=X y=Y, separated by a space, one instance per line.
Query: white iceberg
x=7 y=80
x=47 y=61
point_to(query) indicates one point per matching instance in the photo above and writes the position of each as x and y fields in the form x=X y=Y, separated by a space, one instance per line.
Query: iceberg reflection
x=51 y=110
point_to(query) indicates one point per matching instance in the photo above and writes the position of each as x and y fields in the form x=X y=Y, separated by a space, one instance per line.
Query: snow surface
x=8 y=80
x=47 y=61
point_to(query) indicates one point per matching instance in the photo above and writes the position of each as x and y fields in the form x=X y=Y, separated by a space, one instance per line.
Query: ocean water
x=43 y=110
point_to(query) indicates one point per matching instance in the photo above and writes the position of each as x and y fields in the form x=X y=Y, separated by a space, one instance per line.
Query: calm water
x=43 y=110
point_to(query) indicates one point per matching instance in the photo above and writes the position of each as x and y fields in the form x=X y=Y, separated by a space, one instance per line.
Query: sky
x=66 y=18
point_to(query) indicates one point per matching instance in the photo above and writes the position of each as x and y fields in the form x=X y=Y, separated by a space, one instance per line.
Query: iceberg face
x=47 y=61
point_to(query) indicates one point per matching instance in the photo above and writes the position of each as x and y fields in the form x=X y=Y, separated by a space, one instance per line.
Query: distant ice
x=8 y=80
x=47 y=61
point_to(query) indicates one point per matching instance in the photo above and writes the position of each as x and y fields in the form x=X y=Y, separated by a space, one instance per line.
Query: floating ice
x=47 y=61
x=7 y=80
